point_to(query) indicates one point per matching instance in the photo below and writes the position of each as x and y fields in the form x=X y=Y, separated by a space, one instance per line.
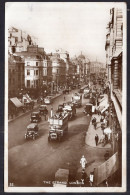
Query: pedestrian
x=83 y=177
x=12 y=114
x=106 y=182
x=23 y=109
x=64 y=98
x=94 y=120
x=98 y=111
x=91 y=178
x=101 y=120
x=95 y=125
x=96 y=139
x=83 y=162
x=45 y=116
x=106 y=138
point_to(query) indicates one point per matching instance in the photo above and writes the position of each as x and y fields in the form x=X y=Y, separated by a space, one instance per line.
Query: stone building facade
x=19 y=40
x=16 y=79
x=114 y=46
x=114 y=64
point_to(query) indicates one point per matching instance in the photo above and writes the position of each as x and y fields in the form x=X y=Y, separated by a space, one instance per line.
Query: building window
x=16 y=39
x=28 y=83
x=36 y=72
x=36 y=63
x=28 y=63
x=28 y=72
x=13 y=49
x=10 y=81
x=36 y=83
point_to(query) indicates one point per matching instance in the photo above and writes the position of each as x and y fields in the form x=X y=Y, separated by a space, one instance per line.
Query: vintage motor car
x=48 y=100
x=60 y=107
x=88 y=109
x=35 y=117
x=32 y=131
x=65 y=91
x=43 y=109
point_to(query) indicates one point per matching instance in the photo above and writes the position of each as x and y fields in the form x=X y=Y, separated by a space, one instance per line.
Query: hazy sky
x=75 y=27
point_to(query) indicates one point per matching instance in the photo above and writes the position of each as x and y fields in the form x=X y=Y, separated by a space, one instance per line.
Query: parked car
x=88 y=109
x=60 y=108
x=32 y=131
x=65 y=91
x=48 y=100
x=35 y=117
x=43 y=109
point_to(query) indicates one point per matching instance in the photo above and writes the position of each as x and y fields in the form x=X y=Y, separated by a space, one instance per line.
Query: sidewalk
x=90 y=134
x=29 y=111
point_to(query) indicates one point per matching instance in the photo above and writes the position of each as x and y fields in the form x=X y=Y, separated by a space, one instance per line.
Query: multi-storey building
x=82 y=65
x=16 y=80
x=33 y=67
x=58 y=71
x=114 y=44
x=96 y=67
x=19 y=40
x=113 y=47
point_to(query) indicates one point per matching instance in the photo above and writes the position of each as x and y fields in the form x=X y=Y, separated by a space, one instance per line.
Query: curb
x=29 y=111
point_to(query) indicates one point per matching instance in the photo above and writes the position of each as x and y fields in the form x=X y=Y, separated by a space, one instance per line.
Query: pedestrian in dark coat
x=96 y=139
x=95 y=125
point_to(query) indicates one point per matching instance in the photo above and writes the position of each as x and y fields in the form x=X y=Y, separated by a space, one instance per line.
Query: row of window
x=35 y=72
x=28 y=63
x=36 y=82
x=13 y=80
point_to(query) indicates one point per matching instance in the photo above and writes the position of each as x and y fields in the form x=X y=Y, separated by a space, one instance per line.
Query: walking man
x=91 y=178
x=83 y=162
x=95 y=125
x=96 y=139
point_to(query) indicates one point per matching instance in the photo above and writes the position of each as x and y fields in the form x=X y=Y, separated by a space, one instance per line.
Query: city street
x=65 y=92
x=36 y=162
x=32 y=162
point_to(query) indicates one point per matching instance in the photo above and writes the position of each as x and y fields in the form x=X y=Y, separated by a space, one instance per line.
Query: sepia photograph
x=65 y=97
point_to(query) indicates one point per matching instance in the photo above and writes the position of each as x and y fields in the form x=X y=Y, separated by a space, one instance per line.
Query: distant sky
x=74 y=27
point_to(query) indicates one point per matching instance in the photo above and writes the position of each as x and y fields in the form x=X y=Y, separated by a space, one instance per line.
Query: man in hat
x=96 y=139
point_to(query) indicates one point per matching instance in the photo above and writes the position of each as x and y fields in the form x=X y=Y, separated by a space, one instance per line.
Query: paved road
x=33 y=162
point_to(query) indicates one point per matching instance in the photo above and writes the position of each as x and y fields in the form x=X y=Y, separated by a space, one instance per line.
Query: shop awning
x=103 y=104
x=27 y=98
x=16 y=102
x=104 y=109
